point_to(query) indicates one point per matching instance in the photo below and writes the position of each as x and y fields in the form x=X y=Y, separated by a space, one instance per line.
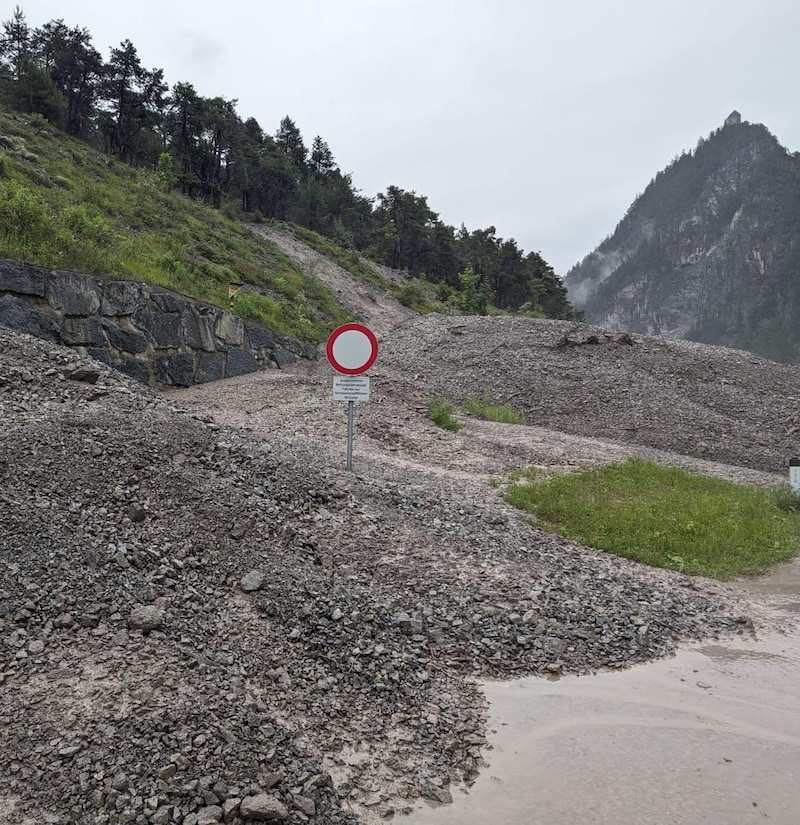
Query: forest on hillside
x=204 y=149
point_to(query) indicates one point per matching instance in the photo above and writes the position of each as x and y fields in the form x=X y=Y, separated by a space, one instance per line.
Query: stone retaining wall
x=152 y=334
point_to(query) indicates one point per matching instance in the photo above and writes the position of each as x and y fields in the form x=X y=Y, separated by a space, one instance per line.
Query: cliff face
x=710 y=251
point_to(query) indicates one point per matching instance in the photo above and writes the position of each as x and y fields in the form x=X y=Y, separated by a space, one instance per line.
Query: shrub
x=787 y=499
x=442 y=413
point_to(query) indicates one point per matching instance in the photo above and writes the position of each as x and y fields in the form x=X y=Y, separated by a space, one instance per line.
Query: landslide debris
x=201 y=624
x=698 y=400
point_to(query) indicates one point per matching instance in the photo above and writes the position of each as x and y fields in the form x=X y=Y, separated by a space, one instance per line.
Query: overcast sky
x=542 y=119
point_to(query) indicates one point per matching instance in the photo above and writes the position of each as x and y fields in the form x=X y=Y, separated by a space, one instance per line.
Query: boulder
x=263 y=808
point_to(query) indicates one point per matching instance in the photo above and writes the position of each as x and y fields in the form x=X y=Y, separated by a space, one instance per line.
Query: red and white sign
x=352 y=349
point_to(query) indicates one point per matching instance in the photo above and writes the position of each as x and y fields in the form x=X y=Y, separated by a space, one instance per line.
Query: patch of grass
x=664 y=517
x=442 y=413
x=484 y=408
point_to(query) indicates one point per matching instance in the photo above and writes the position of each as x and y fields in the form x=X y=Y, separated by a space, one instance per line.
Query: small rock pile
x=198 y=625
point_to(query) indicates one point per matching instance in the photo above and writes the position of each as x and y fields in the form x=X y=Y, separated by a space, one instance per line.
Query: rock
x=146 y=618
x=162 y=816
x=282 y=357
x=240 y=362
x=263 y=808
x=121 y=297
x=20 y=315
x=229 y=329
x=230 y=808
x=209 y=815
x=120 y=782
x=73 y=294
x=252 y=581
x=305 y=804
x=22 y=278
x=440 y=795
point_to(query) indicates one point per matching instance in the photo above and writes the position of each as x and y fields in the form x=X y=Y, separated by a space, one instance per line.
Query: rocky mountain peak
x=709 y=251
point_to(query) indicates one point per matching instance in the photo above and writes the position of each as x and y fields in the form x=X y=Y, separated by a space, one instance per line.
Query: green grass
x=664 y=517
x=484 y=408
x=65 y=206
x=442 y=413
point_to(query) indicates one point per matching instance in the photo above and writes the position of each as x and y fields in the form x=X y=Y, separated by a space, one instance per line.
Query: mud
x=709 y=736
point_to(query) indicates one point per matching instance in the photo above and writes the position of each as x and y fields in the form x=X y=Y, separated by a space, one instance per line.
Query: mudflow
x=204 y=618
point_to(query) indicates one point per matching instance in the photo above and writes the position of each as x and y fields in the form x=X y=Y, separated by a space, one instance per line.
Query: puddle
x=709 y=736
x=721 y=653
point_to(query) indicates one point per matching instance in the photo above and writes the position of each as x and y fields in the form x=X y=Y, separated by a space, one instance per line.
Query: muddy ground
x=204 y=618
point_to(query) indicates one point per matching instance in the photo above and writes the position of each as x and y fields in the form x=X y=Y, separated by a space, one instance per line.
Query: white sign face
x=352 y=349
x=794 y=475
x=350 y=388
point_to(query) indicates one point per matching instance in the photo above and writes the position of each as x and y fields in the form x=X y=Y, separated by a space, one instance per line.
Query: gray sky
x=542 y=119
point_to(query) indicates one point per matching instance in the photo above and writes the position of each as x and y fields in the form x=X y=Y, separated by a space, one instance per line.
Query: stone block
x=73 y=294
x=240 y=362
x=211 y=367
x=175 y=370
x=163 y=328
x=229 y=329
x=168 y=301
x=22 y=279
x=19 y=314
x=123 y=339
x=282 y=357
x=101 y=355
x=122 y=297
x=83 y=332
x=197 y=331
x=137 y=370
x=259 y=337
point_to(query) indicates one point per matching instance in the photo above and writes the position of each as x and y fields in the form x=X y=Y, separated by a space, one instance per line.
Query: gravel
x=204 y=618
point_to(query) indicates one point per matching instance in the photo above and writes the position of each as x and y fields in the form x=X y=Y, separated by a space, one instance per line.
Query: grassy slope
x=64 y=205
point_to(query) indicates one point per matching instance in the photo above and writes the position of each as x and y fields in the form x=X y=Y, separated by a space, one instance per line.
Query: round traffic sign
x=352 y=349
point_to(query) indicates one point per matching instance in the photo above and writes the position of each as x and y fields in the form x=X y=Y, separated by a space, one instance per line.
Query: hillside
x=63 y=205
x=710 y=251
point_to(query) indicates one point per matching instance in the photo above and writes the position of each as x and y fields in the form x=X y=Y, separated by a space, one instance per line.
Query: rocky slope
x=709 y=251
x=203 y=618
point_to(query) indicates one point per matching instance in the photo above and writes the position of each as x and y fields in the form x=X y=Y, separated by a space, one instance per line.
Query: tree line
x=202 y=147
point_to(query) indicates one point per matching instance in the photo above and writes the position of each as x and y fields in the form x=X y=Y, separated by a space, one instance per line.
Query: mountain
x=710 y=251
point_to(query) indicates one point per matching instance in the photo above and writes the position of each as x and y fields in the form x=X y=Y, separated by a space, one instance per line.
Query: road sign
x=350 y=388
x=352 y=349
x=794 y=474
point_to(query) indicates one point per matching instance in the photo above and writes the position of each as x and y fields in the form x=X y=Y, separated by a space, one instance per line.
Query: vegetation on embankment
x=665 y=517
x=64 y=205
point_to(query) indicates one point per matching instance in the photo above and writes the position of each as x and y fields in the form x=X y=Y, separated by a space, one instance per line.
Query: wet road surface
x=711 y=736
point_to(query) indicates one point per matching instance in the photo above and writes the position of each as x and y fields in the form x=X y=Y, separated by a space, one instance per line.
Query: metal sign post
x=351 y=411
x=351 y=350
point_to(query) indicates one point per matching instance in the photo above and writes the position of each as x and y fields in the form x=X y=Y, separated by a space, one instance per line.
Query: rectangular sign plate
x=350 y=388
x=794 y=474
